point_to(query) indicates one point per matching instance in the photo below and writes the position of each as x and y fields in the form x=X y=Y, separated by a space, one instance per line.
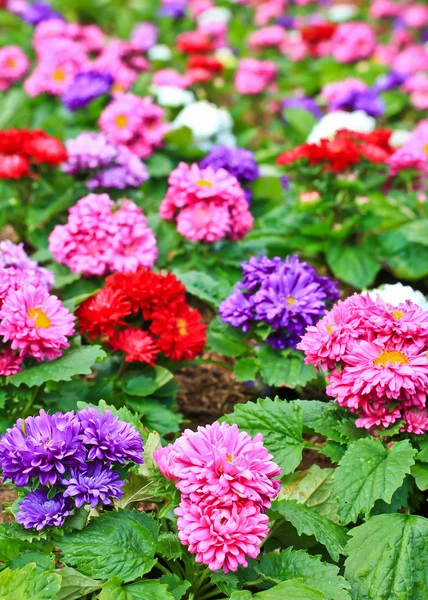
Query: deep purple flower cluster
x=37 y=12
x=287 y=295
x=304 y=103
x=86 y=87
x=367 y=100
x=76 y=453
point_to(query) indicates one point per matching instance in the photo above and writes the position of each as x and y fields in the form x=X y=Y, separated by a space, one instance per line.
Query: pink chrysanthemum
x=35 y=323
x=220 y=461
x=9 y=362
x=207 y=205
x=415 y=421
x=13 y=65
x=222 y=535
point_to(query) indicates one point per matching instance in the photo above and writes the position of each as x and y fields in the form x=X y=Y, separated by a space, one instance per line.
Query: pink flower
x=415 y=16
x=267 y=37
x=35 y=322
x=412 y=59
x=352 y=42
x=207 y=205
x=222 y=535
x=9 y=362
x=268 y=10
x=13 y=65
x=384 y=8
x=135 y=122
x=171 y=77
x=403 y=159
x=415 y=421
x=417 y=84
x=254 y=76
x=219 y=461
x=123 y=60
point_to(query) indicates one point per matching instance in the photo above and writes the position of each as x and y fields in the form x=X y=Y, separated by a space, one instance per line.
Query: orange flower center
x=426 y=149
x=58 y=75
x=398 y=314
x=182 y=327
x=39 y=317
x=11 y=63
x=118 y=87
x=121 y=121
x=204 y=183
x=229 y=458
x=391 y=357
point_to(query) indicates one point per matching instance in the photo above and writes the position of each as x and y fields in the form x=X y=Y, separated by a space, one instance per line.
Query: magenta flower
x=35 y=322
x=13 y=65
x=9 y=362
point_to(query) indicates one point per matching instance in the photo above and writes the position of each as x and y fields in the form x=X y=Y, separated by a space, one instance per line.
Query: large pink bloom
x=352 y=42
x=35 y=322
x=222 y=535
x=220 y=461
x=254 y=76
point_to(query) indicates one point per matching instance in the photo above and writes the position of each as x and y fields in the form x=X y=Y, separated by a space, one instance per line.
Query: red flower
x=290 y=156
x=209 y=63
x=180 y=330
x=12 y=140
x=44 y=148
x=99 y=315
x=374 y=154
x=318 y=33
x=13 y=166
x=193 y=42
x=138 y=345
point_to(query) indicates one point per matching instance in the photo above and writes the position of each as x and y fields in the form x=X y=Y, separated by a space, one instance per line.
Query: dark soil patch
x=6 y=495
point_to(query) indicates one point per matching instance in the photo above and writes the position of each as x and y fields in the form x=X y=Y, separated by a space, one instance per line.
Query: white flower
x=215 y=15
x=398 y=293
x=341 y=12
x=327 y=127
x=210 y=125
x=170 y=95
x=159 y=52
x=399 y=137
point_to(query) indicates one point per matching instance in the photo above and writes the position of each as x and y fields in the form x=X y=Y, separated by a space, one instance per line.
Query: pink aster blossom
x=384 y=8
x=207 y=205
x=10 y=363
x=35 y=322
x=353 y=41
x=171 y=77
x=412 y=59
x=123 y=60
x=135 y=122
x=267 y=37
x=254 y=76
x=415 y=421
x=406 y=158
x=13 y=65
x=222 y=535
x=416 y=15
x=417 y=85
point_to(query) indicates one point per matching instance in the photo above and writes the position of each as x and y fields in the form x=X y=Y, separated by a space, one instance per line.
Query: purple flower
x=286 y=21
x=389 y=81
x=86 y=87
x=14 y=258
x=129 y=171
x=97 y=484
x=89 y=151
x=238 y=161
x=285 y=182
x=109 y=439
x=38 y=511
x=175 y=9
x=256 y=269
x=144 y=35
x=43 y=446
x=305 y=103
x=39 y=11
x=366 y=100
x=237 y=310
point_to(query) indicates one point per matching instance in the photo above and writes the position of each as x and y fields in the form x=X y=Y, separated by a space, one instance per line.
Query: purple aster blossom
x=424 y=35
x=256 y=269
x=108 y=438
x=286 y=21
x=237 y=310
x=15 y=264
x=86 y=87
x=89 y=151
x=39 y=11
x=97 y=484
x=175 y=9
x=38 y=511
x=389 y=81
x=238 y=161
x=285 y=182
x=367 y=100
x=305 y=103
x=144 y=35
x=129 y=171
x=43 y=446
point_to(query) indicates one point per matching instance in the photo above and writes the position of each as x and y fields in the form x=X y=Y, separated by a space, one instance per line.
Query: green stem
x=255 y=582
x=312 y=447
x=122 y=369
x=162 y=568
x=210 y=595
x=30 y=402
x=207 y=361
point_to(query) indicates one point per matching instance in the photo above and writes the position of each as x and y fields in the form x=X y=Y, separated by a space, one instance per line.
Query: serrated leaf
x=278 y=567
x=176 y=587
x=203 y=286
x=422 y=455
x=226 y=582
x=116 y=543
x=388 y=558
x=290 y=590
x=281 y=425
x=284 y=368
x=314 y=488
x=329 y=420
x=29 y=583
x=113 y=590
x=334 y=451
x=420 y=473
x=246 y=369
x=169 y=546
x=44 y=562
x=225 y=339
x=307 y=521
x=148 y=590
x=74 y=585
x=74 y=362
x=368 y=472
x=9 y=548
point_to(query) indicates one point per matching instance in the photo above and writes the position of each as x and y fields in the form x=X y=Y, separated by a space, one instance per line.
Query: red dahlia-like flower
x=209 y=63
x=193 y=42
x=290 y=156
x=99 y=315
x=318 y=33
x=44 y=148
x=374 y=154
x=138 y=345
x=180 y=330
x=13 y=166
x=12 y=140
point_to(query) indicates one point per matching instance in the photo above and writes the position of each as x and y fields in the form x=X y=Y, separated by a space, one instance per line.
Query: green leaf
x=113 y=590
x=226 y=340
x=281 y=424
x=422 y=455
x=314 y=488
x=149 y=590
x=44 y=562
x=74 y=362
x=420 y=473
x=150 y=379
x=28 y=583
x=368 y=472
x=246 y=369
x=302 y=121
x=267 y=188
x=9 y=548
x=226 y=582
x=329 y=420
x=354 y=265
x=307 y=521
x=288 y=564
x=176 y=587
x=416 y=231
x=169 y=546
x=116 y=543
x=284 y=368
x=388 y=558
x=74 y=585
x=243 y=595
x=203 y=286
x=158 y=418
x=290 y=590
x=334 y=451
x=179 y=139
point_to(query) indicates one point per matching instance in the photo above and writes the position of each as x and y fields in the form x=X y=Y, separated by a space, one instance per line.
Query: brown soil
x=6 y=495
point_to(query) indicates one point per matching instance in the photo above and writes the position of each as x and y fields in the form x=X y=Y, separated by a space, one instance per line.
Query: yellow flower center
x=121 y=121
x=229 y=458
x=182 y=327
x=391 y=357
x=58 y=75
x=204 y=183
x=398 y=314
x=39 y=317
x=330 y=328
x=11 y=63
x=291 y=301
x=118 y=87
x=426 y=149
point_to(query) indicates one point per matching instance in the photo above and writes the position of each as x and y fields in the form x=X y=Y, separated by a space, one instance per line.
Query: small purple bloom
x=238 y=161
x=237 y=310
x=43 y=446
x=88 y=151
x=86 y=87
x=108 y=438
x=97 y=484
x=144 y=35
x=175 y=9
x=286 y=21
x=285 y=182
x=366 y=100
x=305 y=103
x=40 y=11
x=19 y=265
x=389 y=81
x=129 y=171
x=38 y=511
x=256 y=269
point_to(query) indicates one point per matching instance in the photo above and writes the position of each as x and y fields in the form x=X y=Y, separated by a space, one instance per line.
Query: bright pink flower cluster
x=207 y=205
x=101 y=236
x=377 y=357
x=352 y=42
x=124 y=61
x=254 y=76
x=13 y=65
x=226 y=479
x=135 y=122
